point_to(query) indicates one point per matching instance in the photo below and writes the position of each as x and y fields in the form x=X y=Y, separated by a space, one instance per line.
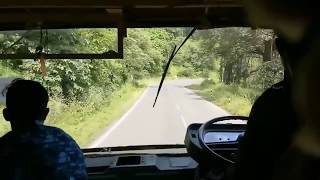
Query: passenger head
x=26 y=103
x=307 y=96
x=298 y=24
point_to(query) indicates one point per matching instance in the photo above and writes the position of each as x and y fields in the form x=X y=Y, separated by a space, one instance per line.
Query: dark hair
x=26 y=97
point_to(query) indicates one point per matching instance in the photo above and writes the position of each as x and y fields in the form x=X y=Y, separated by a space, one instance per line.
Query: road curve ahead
x=166 y=123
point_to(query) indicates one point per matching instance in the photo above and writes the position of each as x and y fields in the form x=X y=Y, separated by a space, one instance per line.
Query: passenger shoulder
x=56 y=131
x=60 y=134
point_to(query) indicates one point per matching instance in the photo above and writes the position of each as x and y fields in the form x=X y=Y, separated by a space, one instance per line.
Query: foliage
x=266 y=75
x=237 y=49
x=234 y=99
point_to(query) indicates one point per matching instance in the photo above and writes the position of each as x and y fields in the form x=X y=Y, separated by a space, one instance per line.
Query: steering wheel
x=204 y=129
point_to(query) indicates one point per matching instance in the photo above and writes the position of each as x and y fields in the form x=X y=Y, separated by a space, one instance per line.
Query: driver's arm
x=269 y=132
x=252 y=149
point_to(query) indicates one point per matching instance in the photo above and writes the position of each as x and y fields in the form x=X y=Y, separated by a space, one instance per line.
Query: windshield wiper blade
x=164 y=74
x=173 y=54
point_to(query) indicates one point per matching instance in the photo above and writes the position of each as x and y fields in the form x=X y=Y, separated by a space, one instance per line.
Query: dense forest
x=239 y=57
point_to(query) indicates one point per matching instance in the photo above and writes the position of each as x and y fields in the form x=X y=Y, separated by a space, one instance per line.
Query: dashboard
x=165 y=165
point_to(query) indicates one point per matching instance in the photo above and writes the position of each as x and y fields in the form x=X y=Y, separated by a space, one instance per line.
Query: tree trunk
x=245 y=71
x=238 y=71
x=267 y=54
x=221 y=70
x=227 y=74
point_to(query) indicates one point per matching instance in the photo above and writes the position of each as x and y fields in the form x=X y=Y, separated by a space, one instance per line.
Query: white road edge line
x=118 y=123
x=181 y=117
x=183 y=121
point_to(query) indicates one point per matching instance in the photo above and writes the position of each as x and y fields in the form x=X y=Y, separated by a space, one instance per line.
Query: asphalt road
x=176 y=108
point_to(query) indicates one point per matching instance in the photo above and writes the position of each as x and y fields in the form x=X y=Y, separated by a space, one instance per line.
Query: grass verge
x=234 y=99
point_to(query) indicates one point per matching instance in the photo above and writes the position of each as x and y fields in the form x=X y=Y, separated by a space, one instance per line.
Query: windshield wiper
x=173 y=54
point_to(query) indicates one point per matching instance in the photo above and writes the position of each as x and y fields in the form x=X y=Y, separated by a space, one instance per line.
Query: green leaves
x=240 y=51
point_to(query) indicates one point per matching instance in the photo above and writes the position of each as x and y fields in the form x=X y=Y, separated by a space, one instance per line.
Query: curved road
x=176 y=108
